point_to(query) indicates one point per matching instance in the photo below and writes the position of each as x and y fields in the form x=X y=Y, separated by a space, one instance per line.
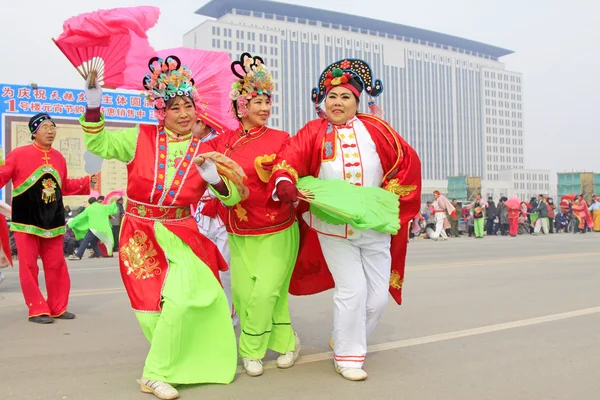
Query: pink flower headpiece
x=254 y=80
x=167 y=79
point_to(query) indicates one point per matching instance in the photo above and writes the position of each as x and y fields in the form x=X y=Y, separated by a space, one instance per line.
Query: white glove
x=208 y=172
x=93 y=96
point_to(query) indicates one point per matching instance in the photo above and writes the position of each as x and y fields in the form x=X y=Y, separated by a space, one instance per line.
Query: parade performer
x=39 y=176
x=513 y=221
x=441 y=206
x=169 y=269
x=363 y=150
x=582 y=214
x=5 y=253
x=263 y=246
x=93 y=226
x=210 y=223
x=478 y=211
x=595 y=210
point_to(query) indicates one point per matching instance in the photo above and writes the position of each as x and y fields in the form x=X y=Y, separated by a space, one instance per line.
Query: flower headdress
x=254 y=80
x=352 y=74
x=167 y=79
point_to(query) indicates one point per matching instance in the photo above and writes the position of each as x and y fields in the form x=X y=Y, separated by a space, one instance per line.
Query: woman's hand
x=93 y=95
x=286 y=192
x=208 y=170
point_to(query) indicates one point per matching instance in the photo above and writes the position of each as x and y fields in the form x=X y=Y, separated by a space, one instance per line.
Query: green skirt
x=192 y=340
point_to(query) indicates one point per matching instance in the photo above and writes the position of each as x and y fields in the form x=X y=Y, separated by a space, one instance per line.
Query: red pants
x=513 y=226
x=103 y=251
x=56 y=273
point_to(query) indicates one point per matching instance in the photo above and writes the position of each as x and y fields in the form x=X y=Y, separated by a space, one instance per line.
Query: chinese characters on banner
x=18 y=103
x=15 y=99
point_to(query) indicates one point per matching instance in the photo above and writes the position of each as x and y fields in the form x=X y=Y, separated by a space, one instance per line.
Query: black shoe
x=66 y=315
x=41 y=319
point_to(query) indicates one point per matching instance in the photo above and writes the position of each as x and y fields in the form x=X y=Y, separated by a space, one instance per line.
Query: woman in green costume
x=169 y=269
x=263 y=246
x=93 y=225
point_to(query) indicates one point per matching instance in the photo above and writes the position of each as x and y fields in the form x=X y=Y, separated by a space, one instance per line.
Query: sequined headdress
x=167 y=79
x=254 y=80
x=353 y=74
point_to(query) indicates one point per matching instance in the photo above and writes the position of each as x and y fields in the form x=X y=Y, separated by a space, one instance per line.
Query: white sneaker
x=2 y=277
x=288 y=359
x=162 y=390
x=253 y=366
x=352 y=374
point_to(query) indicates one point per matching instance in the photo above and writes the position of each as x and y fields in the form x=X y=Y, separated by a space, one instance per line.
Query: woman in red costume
x=582 y=214
x=363 y=150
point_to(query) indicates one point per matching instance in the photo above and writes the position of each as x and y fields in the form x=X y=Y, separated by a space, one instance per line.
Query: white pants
x=439 y=225
x=361 y=272
x=541 y=224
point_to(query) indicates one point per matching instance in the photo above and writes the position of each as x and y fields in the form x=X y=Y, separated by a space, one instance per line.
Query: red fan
x=113 y=196
x=513 y=203
x=103 y=43
x=568 y=197
x=210 y=71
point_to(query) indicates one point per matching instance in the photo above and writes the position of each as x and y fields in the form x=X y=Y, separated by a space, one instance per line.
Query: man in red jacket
x=40 y=180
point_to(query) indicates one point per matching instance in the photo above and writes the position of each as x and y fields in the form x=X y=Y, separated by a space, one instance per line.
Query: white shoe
x=2 y=277
x=253 y=366
x=162 y=390
x=235 y=320
x=352 y=374
x=288 y=359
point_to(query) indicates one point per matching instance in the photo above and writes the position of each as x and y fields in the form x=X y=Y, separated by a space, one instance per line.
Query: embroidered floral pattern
x=286 y=167
x=395 y=280
x=241 y=213
x=161 y=213
x=49 y=190
x=401 y=190
x=138 y=255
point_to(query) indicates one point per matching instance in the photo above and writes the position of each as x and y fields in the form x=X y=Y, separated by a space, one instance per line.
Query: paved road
x=498 y=318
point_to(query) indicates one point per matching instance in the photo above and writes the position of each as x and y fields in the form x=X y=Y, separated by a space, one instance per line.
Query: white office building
x=502 y=122
x=527 y=183
x=450 y=98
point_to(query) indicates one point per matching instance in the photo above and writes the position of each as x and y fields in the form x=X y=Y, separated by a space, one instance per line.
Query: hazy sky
x=555 y=43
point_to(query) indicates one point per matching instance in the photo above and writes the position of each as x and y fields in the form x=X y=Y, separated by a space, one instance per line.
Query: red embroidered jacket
x=251 y=217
